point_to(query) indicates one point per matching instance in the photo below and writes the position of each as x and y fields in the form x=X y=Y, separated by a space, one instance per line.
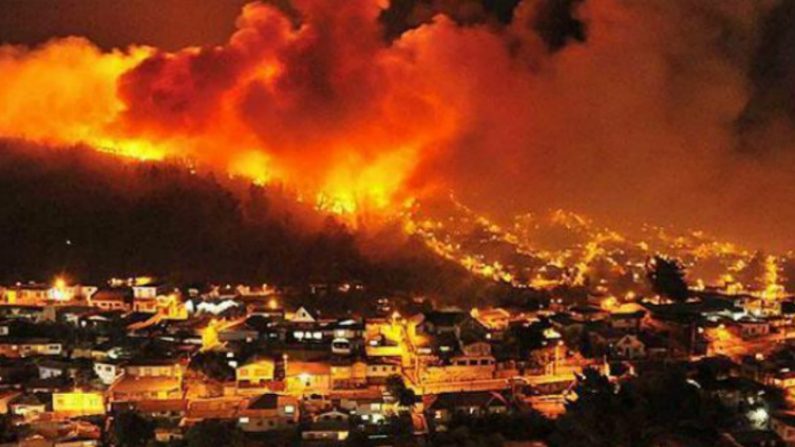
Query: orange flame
x=343 y=118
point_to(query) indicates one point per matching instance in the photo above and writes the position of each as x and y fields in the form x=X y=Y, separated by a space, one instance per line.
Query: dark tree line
x=92 y=216
x=658 y=408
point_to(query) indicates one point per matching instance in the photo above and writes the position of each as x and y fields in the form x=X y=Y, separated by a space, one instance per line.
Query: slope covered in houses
x=279 y=365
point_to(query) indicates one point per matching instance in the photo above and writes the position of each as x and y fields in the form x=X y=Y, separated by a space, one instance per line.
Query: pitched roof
x=268 y=401
x=445 y=318
x=113 y=294
x=129 y=384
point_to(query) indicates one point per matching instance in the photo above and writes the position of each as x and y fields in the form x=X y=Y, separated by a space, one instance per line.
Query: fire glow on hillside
x=339 y=115
x=647 y=117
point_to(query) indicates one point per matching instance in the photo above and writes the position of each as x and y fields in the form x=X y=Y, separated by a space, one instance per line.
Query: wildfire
x=65 y=93
x=350 y=133
x=355 y=124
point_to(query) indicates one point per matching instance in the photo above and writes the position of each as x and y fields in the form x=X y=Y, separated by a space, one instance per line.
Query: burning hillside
x=86 y=215
x=566 y=250
x=632 y=111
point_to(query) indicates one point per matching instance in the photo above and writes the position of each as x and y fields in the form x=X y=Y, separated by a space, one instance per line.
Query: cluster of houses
x=73 y=357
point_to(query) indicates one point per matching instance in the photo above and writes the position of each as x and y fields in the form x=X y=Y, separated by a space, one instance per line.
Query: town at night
x=388 y=223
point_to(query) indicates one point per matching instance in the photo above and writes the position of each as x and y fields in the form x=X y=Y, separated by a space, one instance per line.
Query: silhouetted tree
x=130 y=429
x=7 y=433
x=404 y=395
x=213 y=365
x=659 y=405
x=214 y=433
x=667 y=278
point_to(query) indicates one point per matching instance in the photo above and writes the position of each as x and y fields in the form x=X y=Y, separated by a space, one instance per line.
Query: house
x=169 y=434
x=587 y=313
x=255 y=373
x=69 y=314
x=749 y=328
x=172 y=307
x=139 y=368
x=108 y=370
x=115 y=298
x=475 y=349
x=240 y=331
x=351 y=330
x=496 y=319
x=442 y=322
x=348 y=374
x=169 y=409
x=149 y=290
x=304 y=316
x=132 y=388
x=303 y=377
x=54 y=368
x=443 y=407
x=78 y=403
x=332 y=426
x=629 y=347
x=460 y=368
x=347 y=337
x=216 y=408
x=368 y=408
x=29 y=347
x=27 y=294
x=269 y=412
x=150 y=298
x=377 y=372
x=381 y=345
x=27 y=406
x=626 y=321
x=22 y=312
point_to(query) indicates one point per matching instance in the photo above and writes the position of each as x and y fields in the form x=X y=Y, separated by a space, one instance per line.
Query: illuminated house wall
x=78 y=403
x=256 y=372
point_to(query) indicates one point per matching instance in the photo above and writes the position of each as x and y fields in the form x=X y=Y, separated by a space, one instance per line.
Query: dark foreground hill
x=92 y=216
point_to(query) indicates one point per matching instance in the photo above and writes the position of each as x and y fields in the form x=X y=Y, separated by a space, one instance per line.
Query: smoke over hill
x=664 y=111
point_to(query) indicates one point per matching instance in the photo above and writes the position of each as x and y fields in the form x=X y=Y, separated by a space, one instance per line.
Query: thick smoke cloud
x=638 y=123
x=671 y=111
